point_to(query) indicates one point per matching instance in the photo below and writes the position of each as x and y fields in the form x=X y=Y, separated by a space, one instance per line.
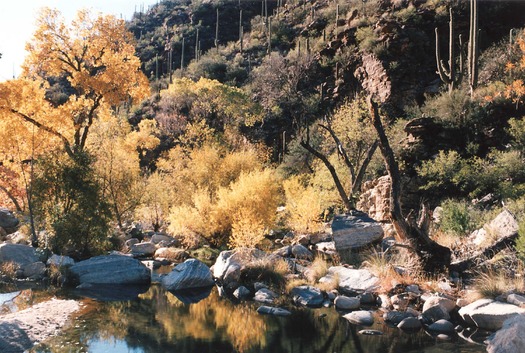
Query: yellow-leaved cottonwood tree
x=94 y=60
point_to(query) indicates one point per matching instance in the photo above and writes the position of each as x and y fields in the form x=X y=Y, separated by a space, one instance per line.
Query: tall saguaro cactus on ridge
x=473 y=49
x=450 y=76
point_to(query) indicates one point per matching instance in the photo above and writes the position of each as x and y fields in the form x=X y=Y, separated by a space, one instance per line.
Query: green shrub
x=456 y=218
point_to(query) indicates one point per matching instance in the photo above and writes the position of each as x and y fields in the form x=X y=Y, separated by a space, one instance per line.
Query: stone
x=352 y=280
x=370 y=332
x=307 y=296
x=461 y=302
x=242 y=293
x=264 y=295
x=400 y=301
x=442 y=326
x=236 y=259
x=17 y=253
x=171 y=254
x=447 y=304
x=35 y=270
x=111 y=269
x=510 y=337
x=326 y=247
x=259 y=285
x=384 y=301
x=342 y=302
x=192 y=273
x=355 y=230
x=8 y=221
x=132 y=241
x=489 y=314
x=516 y=299
x=301 y=252
x=410 y=323
x=413 y=288
x=60 y=261
x=504 y=225
x=396 y=317
x=158 y=238
x=268 y=310
x=285 y=251
x=143 y=249
x=367 y=298
x=435 y=313
x=360 y=317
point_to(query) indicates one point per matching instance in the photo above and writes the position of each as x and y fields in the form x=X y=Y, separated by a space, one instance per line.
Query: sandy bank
x=22 y=330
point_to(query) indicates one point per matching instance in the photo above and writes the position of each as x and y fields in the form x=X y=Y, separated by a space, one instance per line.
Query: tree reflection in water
x=158 y=322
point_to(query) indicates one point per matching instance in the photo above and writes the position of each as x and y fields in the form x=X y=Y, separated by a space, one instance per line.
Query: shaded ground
x=21 y=330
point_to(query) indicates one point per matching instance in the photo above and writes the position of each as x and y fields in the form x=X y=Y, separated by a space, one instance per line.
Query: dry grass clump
x=8 y=269
x=492 y=284
x=318 y=269
x=386 y=266
x=270 y=270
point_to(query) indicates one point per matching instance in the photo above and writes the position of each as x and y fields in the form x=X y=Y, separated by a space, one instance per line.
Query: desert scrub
x=8 y=270
x=267 y=270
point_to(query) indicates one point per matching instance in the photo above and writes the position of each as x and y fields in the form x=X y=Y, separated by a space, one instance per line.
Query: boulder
x=442 y=326
x=190 y=274
x=143 y=249
x=242 y=293
x=352 y=280
x=308 y=296
x=35 y=271
x=355 y=230
x=301 y=252
x=435 y=313
x=367 y=298
x=171 y=254
x=410 y=323
x=168 y=241
x=510 y=337
x=343 y=302
x=268 y=310
x=326 y=247
x=8 y=221
x=516 y=299
x=264 y=295
x=504 y=225
x=361 y=317
x=227 y=267
x=489 y=314
x=396 y=317
x=60 y=261
x=17 y=253
x=285 y=251
x=446 y=304
x=111 y=269
x=132 y=241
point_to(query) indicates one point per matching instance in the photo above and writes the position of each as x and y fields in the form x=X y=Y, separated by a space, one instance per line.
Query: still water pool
x=158 y=321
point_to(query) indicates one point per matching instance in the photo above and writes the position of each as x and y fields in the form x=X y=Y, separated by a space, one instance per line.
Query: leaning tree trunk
x=432 y=255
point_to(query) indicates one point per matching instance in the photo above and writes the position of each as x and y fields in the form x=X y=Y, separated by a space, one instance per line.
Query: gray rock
x=8 y=221
x=236 y=259
x=489 y=314
x=370 y=332
x=35 y=271
x=111 y=269
x=17 y=253
x=446 y=304
x=307 y=296
x=326 y=247
x=171 y=254
x=413 y=288
x=264 y=295
x=60 y=261
x=516 y=299
x=242 y=293
x=268 y=310
x=361 y=317
x=192 y=273
x=355 y=230
x=442 y=326
x=132 y=241
x=285 y=251
x=259 y=285
x=158 y=238
x=510 y=337
x=410 y=323
x=367 y=298
x=396 y=317
x=435 y=313
x=352 y=280
x=143 y=249
x=347 y=303
x=301 y=252
x=503 y=225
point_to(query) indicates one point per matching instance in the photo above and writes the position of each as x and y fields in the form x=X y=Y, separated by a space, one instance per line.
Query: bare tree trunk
x=432 y=255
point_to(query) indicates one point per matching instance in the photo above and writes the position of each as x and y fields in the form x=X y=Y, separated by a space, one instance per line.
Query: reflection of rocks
x=191 y=273
x=111 y=292
x=307 y=296
x=111 y=269
x=192 y=295
x=361 y=317
x=268 y=310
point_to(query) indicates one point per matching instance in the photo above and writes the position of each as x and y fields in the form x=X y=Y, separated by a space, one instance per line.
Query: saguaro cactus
x=449 y=75
x=473 y=50
x=217 y=32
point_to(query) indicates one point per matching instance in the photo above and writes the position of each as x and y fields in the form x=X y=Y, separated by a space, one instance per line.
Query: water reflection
x=158 y=322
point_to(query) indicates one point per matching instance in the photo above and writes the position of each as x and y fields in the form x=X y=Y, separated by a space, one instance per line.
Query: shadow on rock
x=192 y=295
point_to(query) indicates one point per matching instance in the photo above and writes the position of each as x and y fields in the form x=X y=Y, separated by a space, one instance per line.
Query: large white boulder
x=510 y=338
x=190 y=274
x=489 y=314
x=355 y=230
x=352 y=280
